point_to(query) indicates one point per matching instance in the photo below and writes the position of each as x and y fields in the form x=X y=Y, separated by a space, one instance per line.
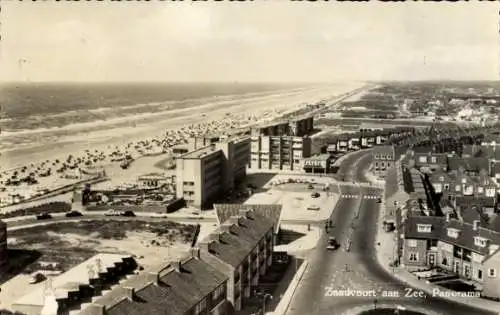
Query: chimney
x=195 y=252
x=96 y=309
x=177 y=264
x=247 y=213
x=129 y=293
x=475 y=225
x=153 y=277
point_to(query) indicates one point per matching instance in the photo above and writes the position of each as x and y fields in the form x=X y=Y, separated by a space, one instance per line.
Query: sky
x=259 y=41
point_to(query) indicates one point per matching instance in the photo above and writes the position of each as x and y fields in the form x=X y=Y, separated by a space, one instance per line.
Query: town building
x=385 y=157
x=298 y=126
x=70 y=290
x=242 y=249
x=279 y=152
x=3 y=243
x=188 y=286
x=318 y=164
x=206 y=174
x=154 y=180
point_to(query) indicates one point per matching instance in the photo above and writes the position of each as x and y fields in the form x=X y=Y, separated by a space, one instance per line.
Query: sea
x=28 y=109
x=39 y=121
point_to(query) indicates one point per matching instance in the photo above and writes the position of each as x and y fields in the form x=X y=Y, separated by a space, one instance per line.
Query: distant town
x=320 y=209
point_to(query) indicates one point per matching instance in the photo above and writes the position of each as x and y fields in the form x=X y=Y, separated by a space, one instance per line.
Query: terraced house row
x=447 y=207
x=214 y=278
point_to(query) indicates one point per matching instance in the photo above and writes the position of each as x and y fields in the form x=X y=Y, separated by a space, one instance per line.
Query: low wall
x=290 y=291
x=134 y=208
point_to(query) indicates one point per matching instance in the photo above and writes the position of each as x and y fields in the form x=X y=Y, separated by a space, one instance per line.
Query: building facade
x=318 y=164
x=242 y=249
x=3 y=243
x=279 y=152
x=385 y=157
x=299 y=127
x=203 y=175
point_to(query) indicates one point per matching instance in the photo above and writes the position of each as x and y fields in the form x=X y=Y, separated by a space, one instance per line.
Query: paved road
x=355 y=219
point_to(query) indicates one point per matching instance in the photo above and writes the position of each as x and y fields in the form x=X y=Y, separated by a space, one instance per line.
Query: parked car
x=313 y=207
x=112 y=213
x=332 y=243
x=44 y=216
x=315 y=195
x=73 y=214
x=310 y=186
x=127 y=213
x=379 y=200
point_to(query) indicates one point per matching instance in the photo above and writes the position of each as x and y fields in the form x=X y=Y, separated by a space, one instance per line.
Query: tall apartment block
x=281 y=145
x=205 y=174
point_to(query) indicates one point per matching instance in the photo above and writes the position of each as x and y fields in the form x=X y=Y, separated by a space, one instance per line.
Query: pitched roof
x=474 y=164
x=233 y=245
x=225 y=211
x=439 y=231
x=177 y=291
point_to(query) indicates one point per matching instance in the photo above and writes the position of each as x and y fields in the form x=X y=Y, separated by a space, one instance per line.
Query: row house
x=188 y=286
x=242 y=249
x=465 y=249
x=472 y=166
x=398 y=188
x=430 y=160
x=385 y=157
x=215 y=277
x=452 y=185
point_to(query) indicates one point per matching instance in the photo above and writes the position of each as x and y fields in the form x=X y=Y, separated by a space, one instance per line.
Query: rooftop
x=69 y=280
x=172 y=289
x=199 y=153
x=227 y=210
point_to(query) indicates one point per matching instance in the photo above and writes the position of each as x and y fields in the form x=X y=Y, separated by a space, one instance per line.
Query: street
x=337 y=281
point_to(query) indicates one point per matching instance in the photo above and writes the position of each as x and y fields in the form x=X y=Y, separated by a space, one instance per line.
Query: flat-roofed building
x=205 y=174
x=318 y=164
x=279 y=152
x=299 y=126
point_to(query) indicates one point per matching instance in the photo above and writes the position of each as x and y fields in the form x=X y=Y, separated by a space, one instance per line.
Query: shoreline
x=100 y=139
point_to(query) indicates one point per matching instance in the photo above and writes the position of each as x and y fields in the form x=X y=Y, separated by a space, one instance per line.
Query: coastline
x=174 y=119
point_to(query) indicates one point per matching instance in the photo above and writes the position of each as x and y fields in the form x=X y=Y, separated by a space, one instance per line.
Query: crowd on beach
x=38 y=178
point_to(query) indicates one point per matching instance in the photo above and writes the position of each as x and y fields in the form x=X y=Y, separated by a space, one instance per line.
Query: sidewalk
x=386 y=253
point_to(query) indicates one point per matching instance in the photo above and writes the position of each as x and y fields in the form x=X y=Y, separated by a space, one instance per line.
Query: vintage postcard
x=271 y=157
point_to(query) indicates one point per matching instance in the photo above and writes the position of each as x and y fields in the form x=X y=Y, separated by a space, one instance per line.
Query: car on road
x=73 y=214
x=313 y=207
x=310 y=186
x=252 y=186
x=379 y=200
x=112 y=213
x=332 y=243
x=44 y=216
x=128 y=213
x=315 y=195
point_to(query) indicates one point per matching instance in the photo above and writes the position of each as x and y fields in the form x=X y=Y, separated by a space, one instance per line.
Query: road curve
x=355 y=220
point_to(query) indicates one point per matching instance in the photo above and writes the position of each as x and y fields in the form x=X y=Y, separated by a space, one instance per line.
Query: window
x=444 y=262
x=412 y=243
x=492 y=272
x=218 y=292
x=446 y=186
x=480 y=189
x=453 y=233
x=480 y=274
x=422 y=159
x=377 y=156
x=413 y=257
x=457 y=187
x=424 y=228
x=433 y=159
x=441 y=178
x=480 y=241
x=200 y=307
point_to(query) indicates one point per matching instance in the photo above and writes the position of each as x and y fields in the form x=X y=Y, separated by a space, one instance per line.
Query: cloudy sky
x=261 y=40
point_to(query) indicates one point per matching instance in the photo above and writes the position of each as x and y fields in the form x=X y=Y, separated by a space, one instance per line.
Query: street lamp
x=375 y=304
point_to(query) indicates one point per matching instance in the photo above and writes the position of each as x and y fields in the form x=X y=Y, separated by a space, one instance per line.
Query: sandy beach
x=152 y=134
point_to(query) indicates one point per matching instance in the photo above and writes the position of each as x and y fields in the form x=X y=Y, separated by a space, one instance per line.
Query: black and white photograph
x=265 y=157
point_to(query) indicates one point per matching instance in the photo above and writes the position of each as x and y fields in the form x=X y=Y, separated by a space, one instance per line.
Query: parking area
x=299 y=203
